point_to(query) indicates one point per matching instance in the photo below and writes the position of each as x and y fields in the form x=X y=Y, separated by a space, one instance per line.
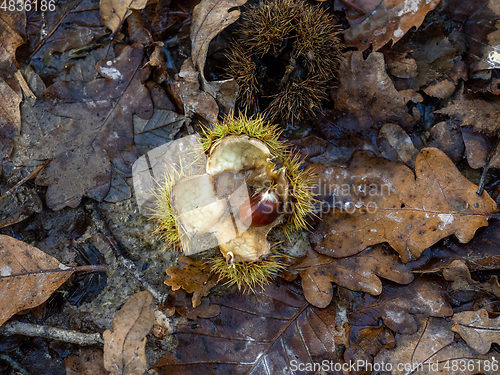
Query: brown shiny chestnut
x=261 y=209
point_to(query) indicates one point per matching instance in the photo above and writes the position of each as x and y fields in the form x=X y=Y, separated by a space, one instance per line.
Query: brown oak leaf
x=99 y=135
x=194 y=277
x=398 y=305
x=477 y=329
x=376 y=200
x=179 y=301
x=389 y=20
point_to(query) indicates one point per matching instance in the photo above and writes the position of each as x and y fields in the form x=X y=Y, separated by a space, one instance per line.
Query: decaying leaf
x=389 y=20
x=370 y=341
x=463 y=287
x=179 y=301
x=28 y=276
x=19 y=205
x=99 y=135
x=194 y=277
x=477 y=329
x=10 y=117
x=114 y=12
x=433 y=350
x=398 y=305
x=359 y=273
x=86 y=361
x=376 y=200
x=13 y=26
x=256 y=334
x=373 y=100
x=125 y=347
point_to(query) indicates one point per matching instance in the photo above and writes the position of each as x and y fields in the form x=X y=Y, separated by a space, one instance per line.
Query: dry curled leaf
x=398 y=305
x=99 y=135
x=477 y=329
x=373 y=100
x=125 y=347
x=256 y=334
x=179 y=301
x=28 y=276
x=389 y=20
x=194 y=277
x=360 y=273
x=434 y=350
x=114 y=12
x=376 y=200
x=463 y=287
x=210 y=17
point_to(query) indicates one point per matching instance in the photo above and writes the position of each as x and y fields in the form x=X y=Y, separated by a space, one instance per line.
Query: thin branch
x=29 y=177
x=13 y=364
x=34 y=330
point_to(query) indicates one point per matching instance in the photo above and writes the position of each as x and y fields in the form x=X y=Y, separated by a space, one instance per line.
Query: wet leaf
x=398 y=305
x=87 y=361
x=125 y=347
x=28 y=276
x=255 y=334
x=357 y=273
x=10 y=117
x=180 y=302
x=477 y=329
x=434 y=349
x=194 y=277
x=370 y=341
x=99 y=135
x=389 y=20
x=373 y=100
x=114 y=12
x=19 y=205
x=376 y=200
x=447 y=136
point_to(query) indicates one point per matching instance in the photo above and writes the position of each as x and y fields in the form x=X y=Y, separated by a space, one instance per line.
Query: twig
x=29 y=177
x=24 y=86
x=121 y=255
x=13 y=364
x=34 y=330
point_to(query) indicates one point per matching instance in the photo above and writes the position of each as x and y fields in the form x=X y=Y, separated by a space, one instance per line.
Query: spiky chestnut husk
x=293 y=31
x=247 y=276
x=298 y=99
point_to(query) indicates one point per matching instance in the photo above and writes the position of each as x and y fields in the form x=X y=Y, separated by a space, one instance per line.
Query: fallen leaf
x=309 y=146
x=179 y=301
x=114 y=12
x=99 y=135
x=398 y=305
x=10 y=117
x=376 y=200
x=389 y=20
x=19 y=205
x=463 y=288
x=28 y=276
x=370 y=341
x=447 y=136
x=478 y=147
x=359 y=273
x=87 y=361
x=482 y=115
x=396 y=145
x=125 y=347
x=477 y=329
x=373 y=100
x=194 y=277
x=210 y=17
x=262 y=333
x=433 y=350
x=13 y=26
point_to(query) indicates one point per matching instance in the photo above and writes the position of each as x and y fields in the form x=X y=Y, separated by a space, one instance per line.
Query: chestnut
x=261 y=209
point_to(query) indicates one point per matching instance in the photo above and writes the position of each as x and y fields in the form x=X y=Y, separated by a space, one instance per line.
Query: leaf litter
x=406 y=99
